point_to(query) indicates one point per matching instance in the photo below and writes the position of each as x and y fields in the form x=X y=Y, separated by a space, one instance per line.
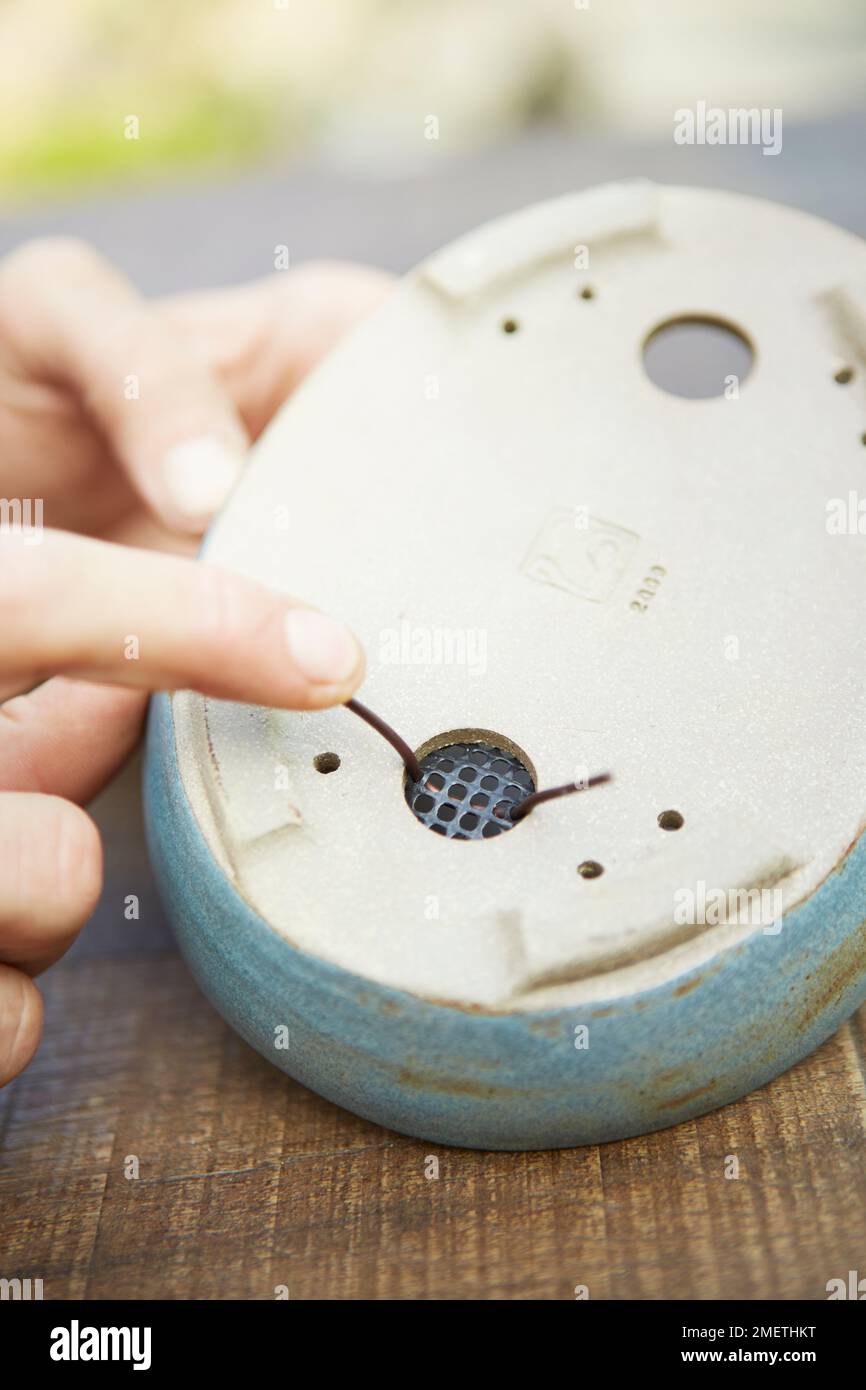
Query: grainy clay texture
x=643 y=583
x=532 y=500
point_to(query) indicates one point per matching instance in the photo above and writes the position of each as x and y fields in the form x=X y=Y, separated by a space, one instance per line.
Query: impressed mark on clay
x=580 y=554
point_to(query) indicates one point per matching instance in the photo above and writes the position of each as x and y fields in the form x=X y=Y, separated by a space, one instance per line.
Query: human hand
x=130 y=420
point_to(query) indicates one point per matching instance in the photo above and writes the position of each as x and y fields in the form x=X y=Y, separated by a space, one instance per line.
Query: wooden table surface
x=247 y=1183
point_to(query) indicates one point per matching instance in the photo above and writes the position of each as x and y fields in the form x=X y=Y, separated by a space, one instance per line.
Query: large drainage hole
x=467 y=790
x=697 y=357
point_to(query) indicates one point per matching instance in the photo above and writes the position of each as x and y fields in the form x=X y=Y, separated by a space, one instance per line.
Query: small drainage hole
x=590 y=868
x=510 y=326
x=844 y=375
x=326 y=762
x=587 y=292
x=671 y=820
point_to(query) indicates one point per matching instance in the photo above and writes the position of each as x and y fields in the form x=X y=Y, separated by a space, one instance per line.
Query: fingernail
x=199 y=474
x=324 y=650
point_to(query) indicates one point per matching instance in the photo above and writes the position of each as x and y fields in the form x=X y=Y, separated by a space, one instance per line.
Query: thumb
x=20 y=1021
x=171 y=425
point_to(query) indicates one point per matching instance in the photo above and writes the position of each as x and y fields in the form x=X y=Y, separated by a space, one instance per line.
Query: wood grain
x=248 y=1181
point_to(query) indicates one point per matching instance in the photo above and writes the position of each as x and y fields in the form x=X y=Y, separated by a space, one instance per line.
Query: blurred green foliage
x=212 y=128
x=218 y=83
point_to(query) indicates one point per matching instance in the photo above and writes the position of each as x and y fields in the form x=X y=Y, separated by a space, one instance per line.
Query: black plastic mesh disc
x=468 y=790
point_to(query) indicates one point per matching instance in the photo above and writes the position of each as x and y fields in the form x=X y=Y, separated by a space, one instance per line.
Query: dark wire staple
x=550 y=793
x=413 y=767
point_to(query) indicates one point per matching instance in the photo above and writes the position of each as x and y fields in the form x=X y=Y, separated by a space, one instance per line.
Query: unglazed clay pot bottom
x=548 y=553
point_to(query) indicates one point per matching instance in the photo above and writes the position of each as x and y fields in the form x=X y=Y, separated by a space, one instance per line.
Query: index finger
x=109 y=613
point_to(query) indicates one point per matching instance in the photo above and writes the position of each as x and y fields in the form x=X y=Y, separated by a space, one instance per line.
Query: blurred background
x=186 y=140
x=221 y=85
